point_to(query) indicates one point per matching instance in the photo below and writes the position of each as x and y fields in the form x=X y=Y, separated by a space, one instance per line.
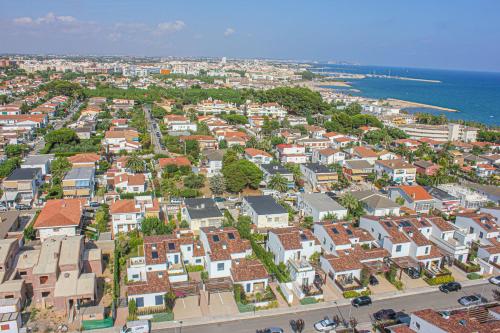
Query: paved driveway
x=458 y=274
x=222 y=304
x=410 y=283
x=383 y=286
x=187 y=307
x=330 y=291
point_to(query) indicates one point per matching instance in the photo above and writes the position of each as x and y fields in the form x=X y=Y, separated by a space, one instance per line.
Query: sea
x=476 y=95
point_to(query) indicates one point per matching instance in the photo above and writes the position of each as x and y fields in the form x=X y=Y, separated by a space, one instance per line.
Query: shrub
x=194 y=268
x=467 y=267
x=354 y=293
x=350 y=294
x=474 y=276
x=308 y=300
x=439 y=280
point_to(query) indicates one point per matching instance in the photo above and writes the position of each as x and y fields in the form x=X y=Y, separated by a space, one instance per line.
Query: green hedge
x=245 y=307
x=194 y=268
x=354 y=293
x=164 y=316
x=467 y=267
x=474 y=276
x=308 y=300
x=439 y=280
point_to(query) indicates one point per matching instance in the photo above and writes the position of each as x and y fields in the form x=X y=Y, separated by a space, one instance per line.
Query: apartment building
x=79 y=182
x=128 y=214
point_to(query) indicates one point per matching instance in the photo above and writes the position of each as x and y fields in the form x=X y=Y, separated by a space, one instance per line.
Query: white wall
x=45 y=233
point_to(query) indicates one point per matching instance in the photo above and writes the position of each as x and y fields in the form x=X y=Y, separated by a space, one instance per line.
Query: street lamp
x=180 y=328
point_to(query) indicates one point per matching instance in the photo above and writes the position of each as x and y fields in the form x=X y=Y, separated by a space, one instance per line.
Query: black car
x=412 y=272
x=403 y=318
x=385 y=314
x=450 y=286
x=361 y=301
x=373 y=280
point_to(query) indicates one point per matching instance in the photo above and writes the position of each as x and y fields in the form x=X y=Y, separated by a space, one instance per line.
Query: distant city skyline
x=446 y=35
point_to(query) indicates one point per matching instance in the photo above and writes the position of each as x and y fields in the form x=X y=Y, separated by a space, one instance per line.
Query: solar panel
x=230 y=235
x=303 y=237
x=349 y=232
x=405 y=224
x=335 y=231
x=171 y=246
x=488 y=226
x=388 y=224
x=216 y=238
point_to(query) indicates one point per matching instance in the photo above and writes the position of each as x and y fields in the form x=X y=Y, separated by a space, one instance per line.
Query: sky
x=445 y=34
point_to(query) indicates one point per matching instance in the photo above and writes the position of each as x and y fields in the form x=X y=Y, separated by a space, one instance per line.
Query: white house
x=258 y=156
x=265 y=212
x=327 y=156
x=222 y=245
x=337 y=236
x=319 y=206
x=59 y=217
x=291 y=243
x=399 y=171
x=201 y=212
x=127 y=214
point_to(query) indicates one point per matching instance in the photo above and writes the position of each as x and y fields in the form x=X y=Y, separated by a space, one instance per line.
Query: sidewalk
x=291 y=309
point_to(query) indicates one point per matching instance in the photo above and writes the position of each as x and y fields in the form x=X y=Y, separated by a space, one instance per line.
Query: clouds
x=229 y=31
x=50 y=18
x=169 y=27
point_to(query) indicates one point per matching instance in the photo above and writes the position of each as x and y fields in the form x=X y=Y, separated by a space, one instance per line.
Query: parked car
x=470 y=300
x=495 y=280
x=385 y=314
x=412 y=272
x=3 y=208
x=373 y=280
x=94 y=204
x=271 y=330
x=403 y=318
x=23 y=207
x=325 y=325
x=450 y=286
x=361 y=301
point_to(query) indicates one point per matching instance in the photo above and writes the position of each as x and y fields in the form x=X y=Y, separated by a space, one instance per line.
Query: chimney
x=413 y=195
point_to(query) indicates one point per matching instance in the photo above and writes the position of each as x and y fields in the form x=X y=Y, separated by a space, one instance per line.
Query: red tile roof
x=60 y=213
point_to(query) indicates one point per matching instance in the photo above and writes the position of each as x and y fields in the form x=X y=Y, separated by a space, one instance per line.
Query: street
x=155 y=140
x=435 y=300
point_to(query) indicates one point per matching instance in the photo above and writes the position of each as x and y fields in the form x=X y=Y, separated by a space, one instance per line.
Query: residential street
x=435 y=300
x=155 y=140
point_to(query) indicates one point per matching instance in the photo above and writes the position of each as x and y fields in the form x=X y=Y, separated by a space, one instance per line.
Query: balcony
x=136 y=262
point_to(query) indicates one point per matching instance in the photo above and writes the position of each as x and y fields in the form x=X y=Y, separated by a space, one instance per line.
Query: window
x=44 y=279
x=198 y=261
x=139 y=301
x=471 y=230
x=220 y=266
x=249 y=287
x=158 y=300
x=189 y=248
x=481 y=234
x=398 y=248
x=417 y=325
x=135 y=276
x=45 y=294
x=427 y=250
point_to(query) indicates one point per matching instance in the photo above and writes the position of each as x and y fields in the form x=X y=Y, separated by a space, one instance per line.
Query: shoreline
x=402 y=104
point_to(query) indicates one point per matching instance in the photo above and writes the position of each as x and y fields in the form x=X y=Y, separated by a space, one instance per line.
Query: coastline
x=402 y=104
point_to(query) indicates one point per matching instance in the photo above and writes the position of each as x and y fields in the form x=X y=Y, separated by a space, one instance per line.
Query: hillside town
x=183 y=190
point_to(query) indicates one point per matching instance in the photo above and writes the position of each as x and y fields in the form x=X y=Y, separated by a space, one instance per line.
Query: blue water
x=475 y=94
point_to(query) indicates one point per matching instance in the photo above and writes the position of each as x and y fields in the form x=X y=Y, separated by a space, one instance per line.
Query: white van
x=136 y=326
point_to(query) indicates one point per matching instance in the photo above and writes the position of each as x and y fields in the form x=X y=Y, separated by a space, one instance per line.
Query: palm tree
x=135 y=163
x=350 y=202
x=278 y=183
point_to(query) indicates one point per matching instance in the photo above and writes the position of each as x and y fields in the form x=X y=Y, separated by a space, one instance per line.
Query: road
x=435 y=300
x=58 y=123
x=152 y=130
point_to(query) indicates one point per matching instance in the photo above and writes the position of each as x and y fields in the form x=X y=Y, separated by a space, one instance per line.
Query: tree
x=222 y=144
x=58 y=168
x=170 y=301
x=194 y=181
x=15 y=150
x=278 y=183
x=217 y=184
x=153 y=226
x=132 y=309
x=62 y=136
x=135 y=163
x=352 y=204
x=240 y=174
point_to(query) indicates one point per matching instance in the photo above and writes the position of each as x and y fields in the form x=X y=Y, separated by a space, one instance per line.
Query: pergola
x=188 y=288
x=404 y=263
x=218 y=285
x=376 y=267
